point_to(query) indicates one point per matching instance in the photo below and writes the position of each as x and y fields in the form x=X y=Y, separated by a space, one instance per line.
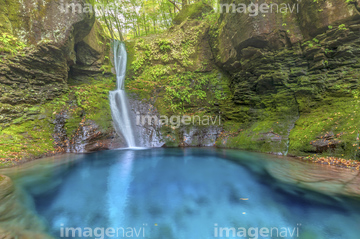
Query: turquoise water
x=186 y=194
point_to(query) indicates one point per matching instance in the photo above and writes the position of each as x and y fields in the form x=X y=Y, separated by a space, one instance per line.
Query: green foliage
x=178 y=93
x=168 y=71
x=212 y=18
x=10 y=44
x=135 y=18
x=342 y=27
x=313 y=43
x=189 y=89
x=164 y=45
x=327 y=51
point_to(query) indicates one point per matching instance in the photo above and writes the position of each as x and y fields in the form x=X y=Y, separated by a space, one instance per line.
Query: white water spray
x=118 y=99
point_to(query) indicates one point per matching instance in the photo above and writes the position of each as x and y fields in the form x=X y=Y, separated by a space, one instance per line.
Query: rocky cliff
x=284 y=82
x=294 y=78
x=287 y=82
x=54 y=95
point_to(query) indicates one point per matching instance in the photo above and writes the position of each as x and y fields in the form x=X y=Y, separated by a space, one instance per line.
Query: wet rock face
x=157 y=135
x=60 y=137
x=146 y=135
x=89 y=137
x=200 y=136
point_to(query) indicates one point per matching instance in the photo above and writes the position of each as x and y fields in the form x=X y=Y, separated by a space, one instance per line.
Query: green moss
x=31 y=135
x=259 y=122
x=10 y=12
x=180 y=93
x=178 y=49
x=30 y=138
x=130 y=48
x=266 y=135
x=73 y=122
x=337 y=115
x=92 y=101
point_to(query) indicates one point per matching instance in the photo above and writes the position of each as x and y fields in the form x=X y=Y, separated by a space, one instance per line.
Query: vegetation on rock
x=288 y=87
x=33 y=134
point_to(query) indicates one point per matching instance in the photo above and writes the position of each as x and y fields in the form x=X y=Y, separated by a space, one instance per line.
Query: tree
x=133 y=18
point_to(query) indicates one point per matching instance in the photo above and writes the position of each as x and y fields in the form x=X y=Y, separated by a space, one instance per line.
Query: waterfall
x=118 y=99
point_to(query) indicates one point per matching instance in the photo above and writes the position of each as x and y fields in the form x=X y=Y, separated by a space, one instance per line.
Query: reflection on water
x=117 y=193
x=190 y=193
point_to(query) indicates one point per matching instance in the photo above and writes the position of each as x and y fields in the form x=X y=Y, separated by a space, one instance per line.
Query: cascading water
x=118 y=99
